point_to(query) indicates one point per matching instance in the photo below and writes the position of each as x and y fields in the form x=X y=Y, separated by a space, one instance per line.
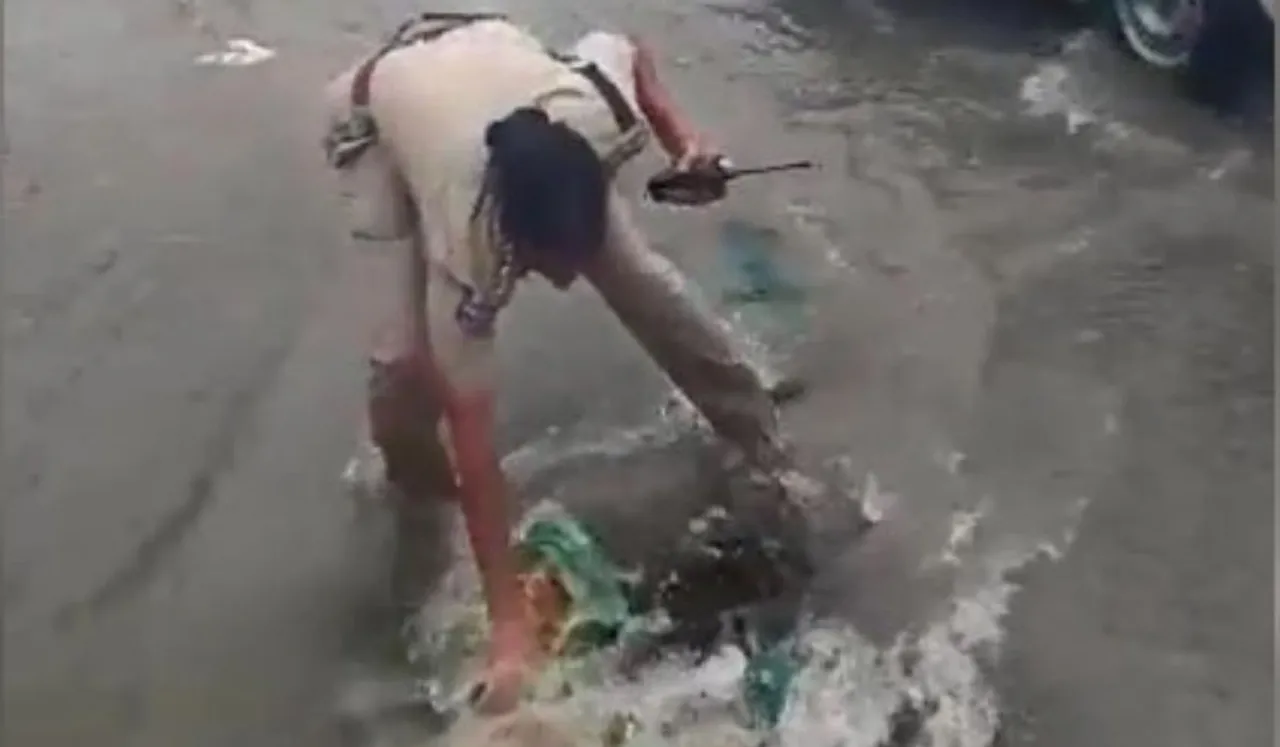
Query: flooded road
x=1038 y=330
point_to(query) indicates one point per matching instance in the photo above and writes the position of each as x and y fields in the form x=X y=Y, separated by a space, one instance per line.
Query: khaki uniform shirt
x=432 y=103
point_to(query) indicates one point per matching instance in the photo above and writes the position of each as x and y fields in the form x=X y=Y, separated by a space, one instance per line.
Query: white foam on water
x=1051 y=90
x=850 y=690
x=1086 y=102
x=961 y=535
x=543 y=454
x=364 y=475
x=847 y=696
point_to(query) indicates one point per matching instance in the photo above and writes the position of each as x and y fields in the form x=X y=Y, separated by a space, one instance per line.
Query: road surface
x=1040 y=297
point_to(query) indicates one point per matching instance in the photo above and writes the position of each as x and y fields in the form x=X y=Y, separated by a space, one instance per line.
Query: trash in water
x=770 y=311
x=620 y=729
x=577 y=593
x=767 y=685
x=599 y=612
x=582 y=602
x=748 y=250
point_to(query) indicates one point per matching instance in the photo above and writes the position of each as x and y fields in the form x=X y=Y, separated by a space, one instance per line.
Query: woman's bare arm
x=483 y=491
x=671 y=128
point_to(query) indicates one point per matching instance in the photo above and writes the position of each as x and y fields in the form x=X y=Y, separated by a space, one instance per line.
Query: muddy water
x=924 y=685
x=1038 y=293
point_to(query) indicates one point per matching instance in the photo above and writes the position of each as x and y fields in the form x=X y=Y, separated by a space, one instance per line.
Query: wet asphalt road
x=1038 y=277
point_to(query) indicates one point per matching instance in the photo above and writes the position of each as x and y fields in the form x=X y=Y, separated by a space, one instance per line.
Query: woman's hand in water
x=513 y=659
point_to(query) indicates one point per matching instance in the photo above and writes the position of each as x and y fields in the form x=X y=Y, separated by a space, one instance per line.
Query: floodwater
x=1037 y=327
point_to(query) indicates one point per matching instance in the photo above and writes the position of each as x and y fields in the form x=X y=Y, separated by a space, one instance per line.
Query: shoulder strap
x=623 y=115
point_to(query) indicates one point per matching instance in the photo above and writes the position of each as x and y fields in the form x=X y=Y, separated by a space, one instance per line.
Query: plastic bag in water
x=558 y=551
x=582 y=602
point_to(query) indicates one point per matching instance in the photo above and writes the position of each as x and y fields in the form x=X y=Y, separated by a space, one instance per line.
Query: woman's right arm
x=483 y=489
x=463 y=366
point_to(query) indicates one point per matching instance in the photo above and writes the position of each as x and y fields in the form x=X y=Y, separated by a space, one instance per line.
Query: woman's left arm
x=673 y=130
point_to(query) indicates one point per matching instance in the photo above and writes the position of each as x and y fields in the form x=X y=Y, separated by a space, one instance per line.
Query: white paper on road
x=239 y=52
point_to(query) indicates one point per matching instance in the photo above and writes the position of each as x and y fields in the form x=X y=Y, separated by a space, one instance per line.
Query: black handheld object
x=708 y=182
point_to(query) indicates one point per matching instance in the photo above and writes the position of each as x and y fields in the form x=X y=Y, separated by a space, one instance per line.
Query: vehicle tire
x=1161 y=33
x=1215 y=45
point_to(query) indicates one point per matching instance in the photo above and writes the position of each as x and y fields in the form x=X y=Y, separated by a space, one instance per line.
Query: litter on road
x=239 y=53
x=584 y=603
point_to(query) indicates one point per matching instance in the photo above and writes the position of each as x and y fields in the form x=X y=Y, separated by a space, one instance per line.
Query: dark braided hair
x=545 y=191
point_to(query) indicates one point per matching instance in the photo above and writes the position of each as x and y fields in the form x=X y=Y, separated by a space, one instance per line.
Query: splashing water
x=924 y=689
x=927 y=687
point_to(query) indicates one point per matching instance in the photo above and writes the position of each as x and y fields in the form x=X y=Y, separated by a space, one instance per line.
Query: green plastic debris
x=767 y=685
x=770 y=308
x=599 y=612
x=749 y=251
x=598 y=606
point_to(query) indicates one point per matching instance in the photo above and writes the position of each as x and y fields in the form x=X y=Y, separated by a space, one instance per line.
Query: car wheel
x=1212 y=44
x=1162 y=33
